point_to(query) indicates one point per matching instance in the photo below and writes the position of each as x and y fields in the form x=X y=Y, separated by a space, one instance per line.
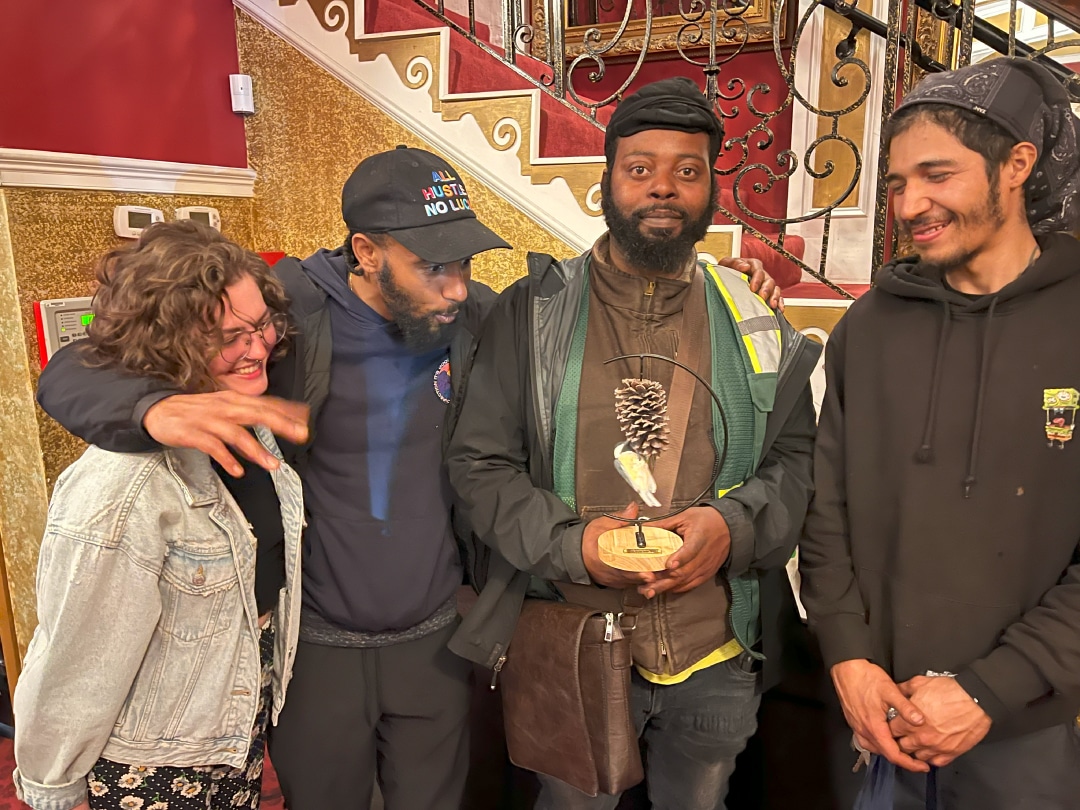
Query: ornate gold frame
x=665 y=32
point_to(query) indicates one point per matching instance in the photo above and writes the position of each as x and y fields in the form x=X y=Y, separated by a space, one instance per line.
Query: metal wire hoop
x=718 y=459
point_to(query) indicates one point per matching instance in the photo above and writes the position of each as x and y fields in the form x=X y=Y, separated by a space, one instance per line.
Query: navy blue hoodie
x=379 y=551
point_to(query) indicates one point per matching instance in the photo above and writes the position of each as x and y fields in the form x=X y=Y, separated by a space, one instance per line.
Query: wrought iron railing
x=572 y=62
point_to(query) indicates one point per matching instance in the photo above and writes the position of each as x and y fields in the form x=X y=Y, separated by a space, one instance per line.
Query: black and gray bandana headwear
x=677 y=104
x=1027 y=101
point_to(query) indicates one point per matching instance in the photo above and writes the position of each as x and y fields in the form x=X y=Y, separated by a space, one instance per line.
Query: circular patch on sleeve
x=442 y=381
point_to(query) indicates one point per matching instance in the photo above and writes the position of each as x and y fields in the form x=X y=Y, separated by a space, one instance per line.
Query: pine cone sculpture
x=641 y=408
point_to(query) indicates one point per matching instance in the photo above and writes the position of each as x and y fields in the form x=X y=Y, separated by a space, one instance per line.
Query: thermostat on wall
x=129 y=220
x=201 y=213
x=61 y=321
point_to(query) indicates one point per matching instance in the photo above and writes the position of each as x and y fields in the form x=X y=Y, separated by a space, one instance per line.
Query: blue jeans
x=1039 y=771
x=692 y=733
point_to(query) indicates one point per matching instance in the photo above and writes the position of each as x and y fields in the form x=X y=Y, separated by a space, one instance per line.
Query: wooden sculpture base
x=619 y=548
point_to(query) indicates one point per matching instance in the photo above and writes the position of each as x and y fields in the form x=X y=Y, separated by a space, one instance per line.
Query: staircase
x=532 y=129
x=542 y=153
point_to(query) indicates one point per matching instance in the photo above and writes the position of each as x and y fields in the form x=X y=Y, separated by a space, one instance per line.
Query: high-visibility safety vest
x=757 y=323
x=759 y=332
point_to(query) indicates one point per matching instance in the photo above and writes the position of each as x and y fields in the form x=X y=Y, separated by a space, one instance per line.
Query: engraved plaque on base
x=619 y=548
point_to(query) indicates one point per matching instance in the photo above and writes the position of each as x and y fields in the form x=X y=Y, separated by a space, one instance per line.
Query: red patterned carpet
x=7 y=765
x=271 y=797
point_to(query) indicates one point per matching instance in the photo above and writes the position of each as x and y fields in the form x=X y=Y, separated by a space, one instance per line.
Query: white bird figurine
x=635 y=471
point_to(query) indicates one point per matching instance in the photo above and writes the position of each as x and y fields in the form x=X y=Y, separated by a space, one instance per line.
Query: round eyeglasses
x=236 y=345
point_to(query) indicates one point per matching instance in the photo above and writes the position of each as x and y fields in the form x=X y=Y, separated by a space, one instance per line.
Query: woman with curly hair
x=168 y=591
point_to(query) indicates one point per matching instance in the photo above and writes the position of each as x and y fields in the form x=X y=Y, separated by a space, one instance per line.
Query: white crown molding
x=27 y=167
x=553 y=205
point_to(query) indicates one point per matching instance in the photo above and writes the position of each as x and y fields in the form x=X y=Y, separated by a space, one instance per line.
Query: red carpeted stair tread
x=471 y=70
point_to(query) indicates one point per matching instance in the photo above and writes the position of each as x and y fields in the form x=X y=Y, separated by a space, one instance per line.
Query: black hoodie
x=945 y=529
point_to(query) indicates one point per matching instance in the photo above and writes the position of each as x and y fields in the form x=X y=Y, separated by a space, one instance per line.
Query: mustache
x=923 y=221
x=661 y=208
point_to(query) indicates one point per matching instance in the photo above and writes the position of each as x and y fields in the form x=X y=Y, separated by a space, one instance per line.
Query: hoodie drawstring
x=925 y=453
x=984 y=362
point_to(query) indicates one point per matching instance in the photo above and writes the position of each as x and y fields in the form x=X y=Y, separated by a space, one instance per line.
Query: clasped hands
x=935 y=720
x=706 y=545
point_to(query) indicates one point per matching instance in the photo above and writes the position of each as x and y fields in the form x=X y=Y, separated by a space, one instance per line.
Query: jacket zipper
x=496 y=670
x=661 y=602
x=646 y=313
x=612 y=628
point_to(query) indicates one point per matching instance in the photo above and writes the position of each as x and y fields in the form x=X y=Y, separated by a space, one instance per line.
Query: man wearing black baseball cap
x=383 y=329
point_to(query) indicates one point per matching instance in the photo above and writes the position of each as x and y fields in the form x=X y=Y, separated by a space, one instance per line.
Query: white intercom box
x=60 y=322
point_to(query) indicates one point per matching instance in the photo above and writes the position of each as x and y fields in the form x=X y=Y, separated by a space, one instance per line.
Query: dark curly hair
x=974 y=131
x=159 y=302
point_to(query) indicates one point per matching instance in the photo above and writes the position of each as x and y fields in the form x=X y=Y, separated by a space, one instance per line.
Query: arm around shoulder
x=101 y=406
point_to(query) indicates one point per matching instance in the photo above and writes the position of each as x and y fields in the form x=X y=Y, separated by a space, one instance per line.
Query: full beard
x=662 y=251
x=420 y=332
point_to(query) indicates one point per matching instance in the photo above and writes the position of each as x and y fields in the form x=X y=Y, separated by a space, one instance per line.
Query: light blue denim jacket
x=147 y=646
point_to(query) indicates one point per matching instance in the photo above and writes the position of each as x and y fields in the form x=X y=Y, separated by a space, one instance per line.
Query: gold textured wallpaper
x=55 y=237
x=307 y=135
x=22 y=477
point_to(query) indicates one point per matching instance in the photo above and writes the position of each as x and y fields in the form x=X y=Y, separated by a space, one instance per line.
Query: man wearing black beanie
x=531 y=458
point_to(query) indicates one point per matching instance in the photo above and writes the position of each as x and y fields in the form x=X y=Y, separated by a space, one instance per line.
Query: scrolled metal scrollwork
x=595 y=52
x=918 y=36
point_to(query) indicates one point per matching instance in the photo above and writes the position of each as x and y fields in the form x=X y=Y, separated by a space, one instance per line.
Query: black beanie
x=675 y=104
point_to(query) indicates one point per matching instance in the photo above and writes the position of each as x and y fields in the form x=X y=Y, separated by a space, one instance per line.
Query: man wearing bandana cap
x=941 y=565
x=531 y=458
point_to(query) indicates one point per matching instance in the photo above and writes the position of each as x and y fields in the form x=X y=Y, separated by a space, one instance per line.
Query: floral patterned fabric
x=114 y=785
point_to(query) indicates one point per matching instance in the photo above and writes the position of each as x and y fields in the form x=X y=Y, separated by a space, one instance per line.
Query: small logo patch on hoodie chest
x=1060 y=405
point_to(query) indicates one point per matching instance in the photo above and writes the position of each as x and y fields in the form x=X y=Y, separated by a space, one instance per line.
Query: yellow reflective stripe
x=720 y=493
x=747 y=340
x=718 y=656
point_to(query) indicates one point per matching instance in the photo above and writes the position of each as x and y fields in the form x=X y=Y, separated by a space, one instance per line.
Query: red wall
x=128 y=78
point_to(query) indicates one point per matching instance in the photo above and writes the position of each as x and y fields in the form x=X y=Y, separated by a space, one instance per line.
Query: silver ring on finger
x=891 y=714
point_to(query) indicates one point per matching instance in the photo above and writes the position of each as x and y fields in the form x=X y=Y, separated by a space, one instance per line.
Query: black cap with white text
x=419 y=200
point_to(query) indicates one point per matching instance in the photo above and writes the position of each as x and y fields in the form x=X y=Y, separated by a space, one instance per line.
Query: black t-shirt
x=255 y=494
x=969 y=296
